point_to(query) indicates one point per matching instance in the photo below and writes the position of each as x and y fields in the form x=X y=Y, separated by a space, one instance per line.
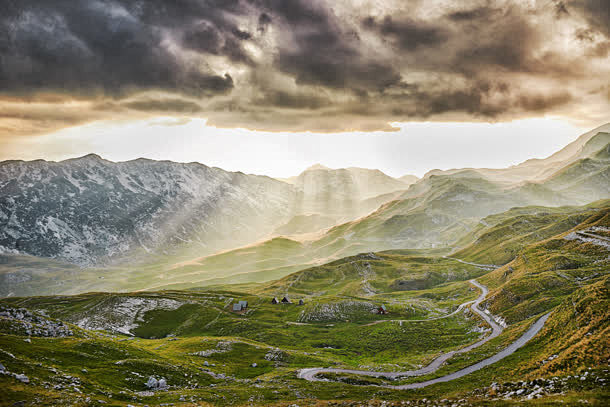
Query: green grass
x=207 y=352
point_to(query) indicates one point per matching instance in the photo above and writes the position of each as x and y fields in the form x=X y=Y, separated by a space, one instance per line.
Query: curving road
x=510 y=349
x=311 y=373
x=459 y=308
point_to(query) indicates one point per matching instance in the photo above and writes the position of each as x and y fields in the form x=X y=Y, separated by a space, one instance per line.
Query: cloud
x=319 y=49
x=163 y=105
x=406 y=34
x=299 y=64
x=596 y=12
x=93 y=47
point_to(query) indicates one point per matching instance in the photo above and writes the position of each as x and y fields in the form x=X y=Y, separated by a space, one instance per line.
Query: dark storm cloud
x=208 y=38
x=597 y=13
x=561 y=9
x=298 y=64
x=290 y=100
x=163 y=105
x=320 y=50
x=263 y=21
x=92 y=46
x=500 y=37
x=544 y=102
x=476 y=13
x=406 y=34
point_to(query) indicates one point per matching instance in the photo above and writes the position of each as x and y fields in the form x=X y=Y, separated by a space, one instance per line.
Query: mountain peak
x=90 y=157
x=317 y=166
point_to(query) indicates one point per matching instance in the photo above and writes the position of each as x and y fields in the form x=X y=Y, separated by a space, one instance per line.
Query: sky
x=271 y=86
x=414 y=148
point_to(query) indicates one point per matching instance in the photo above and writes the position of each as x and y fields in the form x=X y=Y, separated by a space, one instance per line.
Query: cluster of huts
x=285 y=300
x=242 y=305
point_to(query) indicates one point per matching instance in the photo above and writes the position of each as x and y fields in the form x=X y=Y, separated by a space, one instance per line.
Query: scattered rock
x=25 y=322
x=22 y=378
x=155 y=384
x=152 y=383
x=221 y=347
x=274 y=355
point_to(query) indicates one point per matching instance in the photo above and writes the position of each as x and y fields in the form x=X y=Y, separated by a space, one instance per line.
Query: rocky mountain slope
x=90 y=211
x=179 y=217
x=439 y=211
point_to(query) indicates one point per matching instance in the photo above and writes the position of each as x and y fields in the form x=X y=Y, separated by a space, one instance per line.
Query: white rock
x=22 y=378
x=152 y=383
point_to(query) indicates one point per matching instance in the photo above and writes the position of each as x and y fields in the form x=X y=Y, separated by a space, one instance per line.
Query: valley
x=437 y=316
x=436 y=213
x=464 y=288
x=304 y=203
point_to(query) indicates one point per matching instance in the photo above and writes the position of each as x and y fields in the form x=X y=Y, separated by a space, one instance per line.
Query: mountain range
x=160 y=223
x=121 y=284
x=90 y=211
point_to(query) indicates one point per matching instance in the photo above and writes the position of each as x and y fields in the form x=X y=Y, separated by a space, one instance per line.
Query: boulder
x=152 y=383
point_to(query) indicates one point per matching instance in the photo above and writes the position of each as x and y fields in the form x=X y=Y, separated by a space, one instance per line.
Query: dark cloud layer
x=406 y=34
x=298 y=64
x=92 y=47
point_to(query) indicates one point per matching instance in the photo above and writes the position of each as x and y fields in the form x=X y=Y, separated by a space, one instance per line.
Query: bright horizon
x=415 y=148
x=274 y=87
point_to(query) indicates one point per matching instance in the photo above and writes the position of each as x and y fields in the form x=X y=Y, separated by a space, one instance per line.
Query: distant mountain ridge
x=90 y=211
x=435 y=213
x=537 y=169
x=342 y=192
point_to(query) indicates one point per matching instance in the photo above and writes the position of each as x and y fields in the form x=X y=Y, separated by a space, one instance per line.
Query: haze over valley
x=165 y=224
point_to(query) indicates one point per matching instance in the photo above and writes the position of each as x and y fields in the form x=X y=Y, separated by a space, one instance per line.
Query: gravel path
x=510 y=349
x=311 y=373
x=459 y=308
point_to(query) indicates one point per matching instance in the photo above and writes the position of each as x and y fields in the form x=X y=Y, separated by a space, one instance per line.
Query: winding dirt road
x=311 y=373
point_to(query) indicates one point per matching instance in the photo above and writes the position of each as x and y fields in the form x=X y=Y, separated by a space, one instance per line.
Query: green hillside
x=438 y=212
x=498 y=238
x=446 y=212
x=207 y=353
